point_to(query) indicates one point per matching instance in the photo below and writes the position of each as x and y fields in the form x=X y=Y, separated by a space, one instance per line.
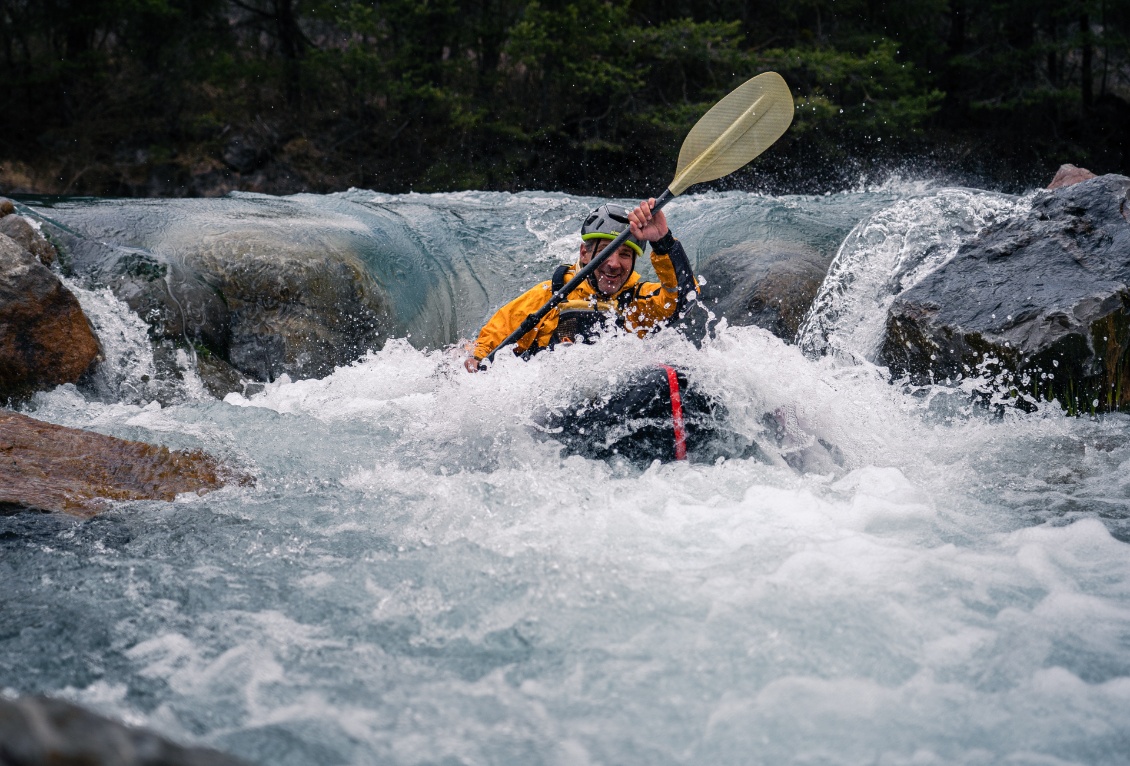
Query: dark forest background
x=199 y=97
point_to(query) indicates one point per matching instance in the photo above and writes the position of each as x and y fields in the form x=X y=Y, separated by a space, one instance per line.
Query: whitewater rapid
x=420 y=576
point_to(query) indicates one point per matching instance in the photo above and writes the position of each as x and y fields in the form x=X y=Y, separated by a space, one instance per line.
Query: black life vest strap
x=627 y=298
x=684 y=277
x=558 y=280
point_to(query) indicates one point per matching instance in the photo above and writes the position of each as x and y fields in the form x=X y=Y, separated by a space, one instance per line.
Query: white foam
x=127 y=372
x=421 y=575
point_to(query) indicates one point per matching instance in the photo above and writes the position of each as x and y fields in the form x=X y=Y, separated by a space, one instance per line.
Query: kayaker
x=612 y=295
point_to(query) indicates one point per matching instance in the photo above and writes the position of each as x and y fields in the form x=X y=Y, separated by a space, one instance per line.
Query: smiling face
x=613 y=273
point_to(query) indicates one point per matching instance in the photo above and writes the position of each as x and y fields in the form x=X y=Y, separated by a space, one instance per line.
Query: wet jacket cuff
x=664 y=244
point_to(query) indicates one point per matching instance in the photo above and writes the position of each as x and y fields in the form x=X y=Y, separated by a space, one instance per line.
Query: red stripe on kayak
x=677 y=414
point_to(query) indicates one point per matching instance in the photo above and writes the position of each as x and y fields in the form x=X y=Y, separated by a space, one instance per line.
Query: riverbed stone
x=261 y=303
x=45 y=339
x=42 y=731
x=21 y=232
x=1040 y=304
x=52 y=468
x=291 y=311
x=767 y=284
x=7 y=207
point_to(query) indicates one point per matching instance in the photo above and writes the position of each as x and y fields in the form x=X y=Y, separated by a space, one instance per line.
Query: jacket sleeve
x=507 y=319
x=668 y=299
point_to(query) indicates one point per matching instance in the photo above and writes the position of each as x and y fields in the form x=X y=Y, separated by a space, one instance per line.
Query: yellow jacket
x=646 y=305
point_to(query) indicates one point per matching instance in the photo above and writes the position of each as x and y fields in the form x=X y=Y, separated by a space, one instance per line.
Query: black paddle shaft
x=532 y=321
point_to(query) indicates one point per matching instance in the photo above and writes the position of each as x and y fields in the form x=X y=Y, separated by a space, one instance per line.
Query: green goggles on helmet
x=607 y=222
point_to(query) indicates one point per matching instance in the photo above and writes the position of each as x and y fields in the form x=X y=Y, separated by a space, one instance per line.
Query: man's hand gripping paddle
x=735 y=130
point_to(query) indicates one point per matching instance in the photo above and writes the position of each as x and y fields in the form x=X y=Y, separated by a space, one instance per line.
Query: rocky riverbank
x=45 y=341
x=251 y=296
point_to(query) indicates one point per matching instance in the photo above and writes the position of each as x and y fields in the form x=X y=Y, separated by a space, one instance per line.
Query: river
x=419 y=576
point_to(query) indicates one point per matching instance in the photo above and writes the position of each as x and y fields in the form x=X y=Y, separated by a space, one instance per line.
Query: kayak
x=654 y=413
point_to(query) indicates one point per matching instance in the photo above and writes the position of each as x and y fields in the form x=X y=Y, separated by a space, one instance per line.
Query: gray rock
x=219 y=377
x=770 y=285
x=40 y=731
x=290 y=311
x=1041 y=301
x=182 y=310
x=258 y=302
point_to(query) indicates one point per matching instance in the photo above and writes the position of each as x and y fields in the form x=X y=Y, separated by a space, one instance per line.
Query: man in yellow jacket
x=612 y=295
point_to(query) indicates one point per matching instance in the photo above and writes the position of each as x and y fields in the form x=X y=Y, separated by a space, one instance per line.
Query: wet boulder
x=40 y=731
x=25 y=235
x=253 y=303
x=770 y=285
x=182 y=308
x=1040 y=302
x=291 y=310
x=51 y=468
x=45 y=339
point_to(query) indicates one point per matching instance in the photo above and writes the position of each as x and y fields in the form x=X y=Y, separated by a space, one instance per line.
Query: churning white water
x=420 y=577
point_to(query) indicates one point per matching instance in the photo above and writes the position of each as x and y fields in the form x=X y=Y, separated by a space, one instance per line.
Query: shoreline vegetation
x=175 y=98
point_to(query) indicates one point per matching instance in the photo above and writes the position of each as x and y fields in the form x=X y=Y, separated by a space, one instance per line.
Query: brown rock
x=24 y=234
x=1068 y=175
x=47 y=467
x=45 y=339
x=6 y=207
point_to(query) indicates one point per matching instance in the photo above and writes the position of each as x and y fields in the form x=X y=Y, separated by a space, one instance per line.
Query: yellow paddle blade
x=735 y=130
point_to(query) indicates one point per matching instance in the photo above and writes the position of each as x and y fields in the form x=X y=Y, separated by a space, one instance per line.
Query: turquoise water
x=420 y=577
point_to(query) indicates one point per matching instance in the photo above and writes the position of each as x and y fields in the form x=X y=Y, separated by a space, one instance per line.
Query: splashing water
x=420 y=576
x=127 y=372
x=888 y=253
